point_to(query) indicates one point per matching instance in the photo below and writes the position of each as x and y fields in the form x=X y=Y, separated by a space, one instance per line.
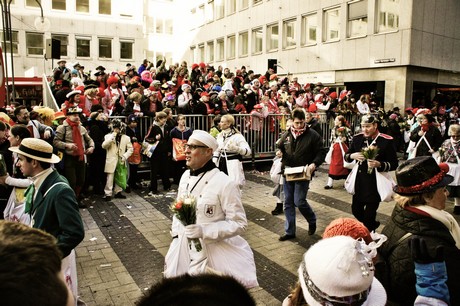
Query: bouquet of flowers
x=403 y=126
x=185 y=211
x=370 y=152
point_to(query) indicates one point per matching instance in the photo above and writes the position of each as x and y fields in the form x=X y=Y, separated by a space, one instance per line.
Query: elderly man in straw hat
x=50 y=201
x=220 y=220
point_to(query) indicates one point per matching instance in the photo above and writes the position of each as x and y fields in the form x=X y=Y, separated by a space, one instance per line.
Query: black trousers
x=366 y=212
x=159 y=166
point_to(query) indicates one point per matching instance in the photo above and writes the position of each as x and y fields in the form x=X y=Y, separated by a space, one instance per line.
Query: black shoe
x=120 y=196
x=311 y=229
x=107 y=198
x=377 y=224
x=278 y=210
x=128 y=189
x=286 y=237
x=327 y=187
x=82 y=205
x=456 y=210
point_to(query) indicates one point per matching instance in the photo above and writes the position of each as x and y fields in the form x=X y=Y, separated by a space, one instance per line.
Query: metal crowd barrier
x=263 y=141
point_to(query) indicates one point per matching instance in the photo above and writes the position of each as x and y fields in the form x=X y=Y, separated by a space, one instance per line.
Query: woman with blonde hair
x=133 y=106
x=231 y=150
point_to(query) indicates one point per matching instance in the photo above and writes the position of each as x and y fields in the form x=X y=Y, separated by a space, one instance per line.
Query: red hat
x=409 y=110
x=112 y=80
x=80 y=88
x=204 y=94
x=262 y=79
x=347 y=227
x=59 y=115
x=202 y=65
x=58 y=82
x=194 y=66
x=238 y=72
x=273 y=77
x=333 y=95
x=343 y=94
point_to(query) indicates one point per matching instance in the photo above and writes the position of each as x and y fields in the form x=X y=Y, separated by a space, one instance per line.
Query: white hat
x=340 y=269
x=73 y=93
x=36 y=149
x=184 y=86
x=205 y=138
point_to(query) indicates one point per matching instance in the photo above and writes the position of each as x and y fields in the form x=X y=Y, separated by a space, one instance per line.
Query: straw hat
x=36 y=149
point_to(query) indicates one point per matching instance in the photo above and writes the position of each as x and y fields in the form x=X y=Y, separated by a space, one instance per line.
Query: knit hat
x=340 y=270
x=111 y=80
x=421 y=175
x=205 y=138
x=348 y=227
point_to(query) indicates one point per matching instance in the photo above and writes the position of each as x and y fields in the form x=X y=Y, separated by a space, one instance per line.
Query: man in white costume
x=220 y=219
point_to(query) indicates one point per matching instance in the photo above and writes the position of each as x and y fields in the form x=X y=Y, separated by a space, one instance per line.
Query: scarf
x=297 y=132
x=76 y=137
x=445 y=218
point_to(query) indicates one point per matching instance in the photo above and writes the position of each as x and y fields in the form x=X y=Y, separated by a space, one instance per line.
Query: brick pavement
x=123 y=252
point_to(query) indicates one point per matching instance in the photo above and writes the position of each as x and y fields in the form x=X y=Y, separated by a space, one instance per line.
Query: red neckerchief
x=76 y=137
x=297 y=132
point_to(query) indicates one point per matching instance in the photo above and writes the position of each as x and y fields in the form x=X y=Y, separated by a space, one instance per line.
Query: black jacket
x=305 y=149
x=400 y=266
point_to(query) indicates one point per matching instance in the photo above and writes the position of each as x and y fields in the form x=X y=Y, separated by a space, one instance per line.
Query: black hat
x=90 y=84
x=421 y=175
x=100 y=68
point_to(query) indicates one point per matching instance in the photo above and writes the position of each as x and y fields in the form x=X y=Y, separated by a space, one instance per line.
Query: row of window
x=81 y=6
x=35 y=45
x=215 y=9
x=387 y=20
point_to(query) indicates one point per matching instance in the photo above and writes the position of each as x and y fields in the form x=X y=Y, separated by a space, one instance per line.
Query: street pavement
x=126 y=240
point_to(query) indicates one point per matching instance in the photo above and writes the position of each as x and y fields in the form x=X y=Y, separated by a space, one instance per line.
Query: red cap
x=111 y=80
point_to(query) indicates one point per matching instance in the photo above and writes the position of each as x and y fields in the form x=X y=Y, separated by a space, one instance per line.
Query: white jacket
x=124 y=150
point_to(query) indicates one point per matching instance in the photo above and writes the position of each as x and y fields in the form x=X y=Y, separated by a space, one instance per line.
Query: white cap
x=205 y=138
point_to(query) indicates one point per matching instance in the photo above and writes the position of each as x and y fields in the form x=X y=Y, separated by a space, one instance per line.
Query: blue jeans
x=296 y=196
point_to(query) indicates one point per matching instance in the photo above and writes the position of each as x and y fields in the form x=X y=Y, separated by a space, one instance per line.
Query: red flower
x=178 y=205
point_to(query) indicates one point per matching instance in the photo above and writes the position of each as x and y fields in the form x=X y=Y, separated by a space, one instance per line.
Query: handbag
x=345 y=163
x=275 y=171
x=351 y=179
x=385 y=184
x=178 y=149
x=328 y=157
x=148 y=148
x=294 y=174
x=121 y=174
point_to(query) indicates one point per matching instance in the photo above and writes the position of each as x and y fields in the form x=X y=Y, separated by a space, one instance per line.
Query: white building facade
x=402 y=50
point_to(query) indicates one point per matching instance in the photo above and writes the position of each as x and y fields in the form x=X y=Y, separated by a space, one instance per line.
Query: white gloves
x=193 y=231
x=231 y=147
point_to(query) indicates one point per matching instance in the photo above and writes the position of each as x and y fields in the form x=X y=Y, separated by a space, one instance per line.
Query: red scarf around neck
x=77 y=139
x=297 y=132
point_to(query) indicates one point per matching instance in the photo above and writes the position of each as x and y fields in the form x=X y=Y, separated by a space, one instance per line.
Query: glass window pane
x=58 y=5
x=168 y=26
x=232 y=6
x=105 y=48
x=357 y=10
x=82 y=6
x=34 y=43
x=257 y=40
x=32 y=3
x=272 y=37
x=289 y=33
x=231 y=47
x=211 y=51
x=388 y=15
x=243 y=44
x=159 y=26
x=219 y=7
x=256 y=2
x=244 y=4
x=220 y=49
x=83 y=47
x=309 y=25
x=331 y=24
x=126 y=49
x=105 y=7
x=13 y=42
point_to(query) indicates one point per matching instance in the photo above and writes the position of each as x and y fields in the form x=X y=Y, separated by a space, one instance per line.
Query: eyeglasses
x=192 y=147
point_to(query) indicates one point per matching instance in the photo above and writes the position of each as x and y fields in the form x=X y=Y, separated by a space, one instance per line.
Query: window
x=219 y=8
x=309 y=24
x=58 y=5
x=388 y=15
x=13 y=42
x=32 y=3
x=201 y=52
x=105 y=48
x=220 y=49
x=192 y=52
x=200 y=16
x=82 y=6
x=159 y=28
x=209 y=11
x=257 y=40
x=126 y=49
x=357 y=18
x=331 y=24
x=34 y=43
x=231 y=47
x=254 y=2
x=244 y=4
x=243 y=43
x=272 y=37
x=210 y=51
x=169 y=26
x=64 y=39
x=231 y=6
x=83 y=46
x=105 y=7
x=289 y=33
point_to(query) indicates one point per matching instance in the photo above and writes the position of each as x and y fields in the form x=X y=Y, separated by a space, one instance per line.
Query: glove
x=193 y=231
x=231 y=147
x=420 y=252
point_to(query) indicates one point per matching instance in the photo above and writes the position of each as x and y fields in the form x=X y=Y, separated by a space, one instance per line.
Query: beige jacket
x=114 y=152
